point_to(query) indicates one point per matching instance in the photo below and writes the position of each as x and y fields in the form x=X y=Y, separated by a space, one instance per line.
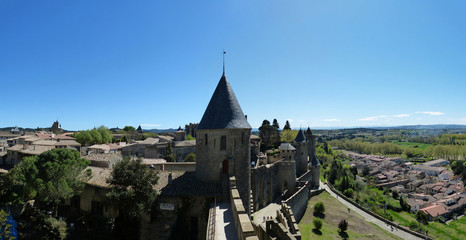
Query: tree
x=132 y=190
x=317 y=223
x=275 y=124
x=60 y=175
x=343 y=225
x=287 y=126
x=288 y=135
x=191 y=157
x=365 y=171
x=404 y=205
x=421 y=217
x=269 y=136
x=189 y=137
x=169 y=156
x=129 y=129
x=319 y=209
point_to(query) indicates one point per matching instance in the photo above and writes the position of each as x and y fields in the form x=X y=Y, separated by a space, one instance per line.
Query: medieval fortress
x=223 y=150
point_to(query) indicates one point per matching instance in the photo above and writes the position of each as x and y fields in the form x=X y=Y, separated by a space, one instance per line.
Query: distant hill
x=158 y=131
x=425 y=127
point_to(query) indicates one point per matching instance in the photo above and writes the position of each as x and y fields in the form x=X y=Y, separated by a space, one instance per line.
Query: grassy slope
x=335 y=211
x=454 y=230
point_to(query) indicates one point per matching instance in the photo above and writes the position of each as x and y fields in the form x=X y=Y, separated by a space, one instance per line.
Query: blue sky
x=157 y=63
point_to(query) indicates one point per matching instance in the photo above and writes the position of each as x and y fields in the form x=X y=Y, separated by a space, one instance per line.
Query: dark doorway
x=225 y=166
x=194 y=226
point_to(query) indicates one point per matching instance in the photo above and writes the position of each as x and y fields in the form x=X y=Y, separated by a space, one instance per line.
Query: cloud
x=331 y=120
x=401 y=115
x=289 y=120
x=302 y=121
x=432 y=113
x=150 y=125
x=372 y=118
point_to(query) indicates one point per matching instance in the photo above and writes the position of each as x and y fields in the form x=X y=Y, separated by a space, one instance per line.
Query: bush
x=413 y=225
x=317 y=223
x=348 y=192
x=319 y=208
x=343 y=225
x=190 y=157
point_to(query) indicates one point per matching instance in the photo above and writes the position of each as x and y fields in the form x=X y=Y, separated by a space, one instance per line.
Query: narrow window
x=242 y=138
x=223 y=143
x=206 y=142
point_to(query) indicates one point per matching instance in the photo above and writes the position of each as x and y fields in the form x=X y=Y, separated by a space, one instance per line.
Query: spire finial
x=224 y=61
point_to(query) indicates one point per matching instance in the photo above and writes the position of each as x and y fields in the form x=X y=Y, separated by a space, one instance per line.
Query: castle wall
x=210 y=158
x=270 y=181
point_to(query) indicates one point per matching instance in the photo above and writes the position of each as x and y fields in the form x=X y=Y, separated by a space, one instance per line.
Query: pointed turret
x=300 y=137
x=223 y=111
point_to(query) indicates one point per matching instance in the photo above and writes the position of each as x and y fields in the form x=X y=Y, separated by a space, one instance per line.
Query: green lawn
x=454 y=230
x=334 y=212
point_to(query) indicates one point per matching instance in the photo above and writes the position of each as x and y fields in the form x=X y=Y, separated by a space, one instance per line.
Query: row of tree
x=448 y=152
x=99 y=135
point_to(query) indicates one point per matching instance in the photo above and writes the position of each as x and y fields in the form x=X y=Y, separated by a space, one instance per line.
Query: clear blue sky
x=157 y=63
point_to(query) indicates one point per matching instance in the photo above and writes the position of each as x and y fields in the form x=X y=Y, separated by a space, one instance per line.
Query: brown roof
x=434 y=210
x=99 y=177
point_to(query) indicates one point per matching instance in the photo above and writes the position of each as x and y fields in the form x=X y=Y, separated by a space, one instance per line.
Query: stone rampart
x=298 y=201
x=176 y=166
x=244 y=227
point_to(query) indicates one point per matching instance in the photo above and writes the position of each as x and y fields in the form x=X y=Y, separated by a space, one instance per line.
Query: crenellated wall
x=244 y=227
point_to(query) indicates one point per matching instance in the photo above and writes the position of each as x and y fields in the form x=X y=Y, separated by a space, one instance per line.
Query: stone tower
x=311 y=140
x=301 y=155
x=222 y=141
x=314 y=164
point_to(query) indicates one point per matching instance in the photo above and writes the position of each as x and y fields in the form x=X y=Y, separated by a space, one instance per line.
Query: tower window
x=242 y=138
x=223 y=143
x=206 y=142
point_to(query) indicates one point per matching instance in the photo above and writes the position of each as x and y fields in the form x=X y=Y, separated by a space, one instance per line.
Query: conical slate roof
x=223 y=110
x=300 y=137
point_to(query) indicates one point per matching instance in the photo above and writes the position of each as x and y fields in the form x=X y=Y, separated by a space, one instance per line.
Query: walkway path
x=224 y=222
x=370 y=218
x=267 y=212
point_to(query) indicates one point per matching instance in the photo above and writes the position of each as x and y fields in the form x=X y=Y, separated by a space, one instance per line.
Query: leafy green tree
x=404 y=205
x=421 y=217
x=132 y=190
x=365 y=171
x=59 y=175
x=319 y=209
x=169 y=156
x=269 y=135
x=288 y=135
x=189 y=137
x=317 y=223
x=191 y=157
x=96 y=136
x=105 y=133
x=129 y=129
x=24 y=178
x=343 y=225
